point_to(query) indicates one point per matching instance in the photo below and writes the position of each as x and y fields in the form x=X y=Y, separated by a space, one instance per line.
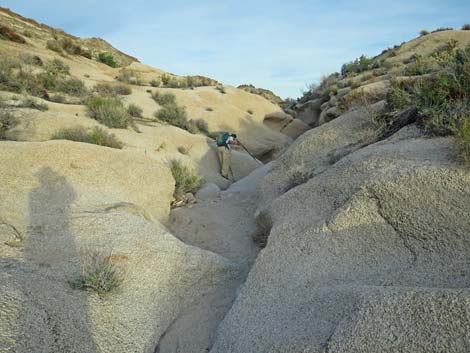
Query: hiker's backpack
x=222 y=139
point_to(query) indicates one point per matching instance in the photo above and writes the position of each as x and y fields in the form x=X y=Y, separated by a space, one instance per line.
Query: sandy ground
x=224 y=225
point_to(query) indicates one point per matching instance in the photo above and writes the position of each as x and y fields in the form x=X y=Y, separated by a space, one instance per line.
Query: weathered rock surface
x=60 y=202
x=370 y=254
x=309 y=112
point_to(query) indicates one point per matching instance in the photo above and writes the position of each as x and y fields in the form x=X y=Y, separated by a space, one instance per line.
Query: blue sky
x=279 y=45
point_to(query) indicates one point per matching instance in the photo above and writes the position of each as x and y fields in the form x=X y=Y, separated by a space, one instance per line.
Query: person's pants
x=224 y=159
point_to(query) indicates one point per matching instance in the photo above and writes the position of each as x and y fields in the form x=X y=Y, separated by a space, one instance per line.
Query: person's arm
x=234 y=142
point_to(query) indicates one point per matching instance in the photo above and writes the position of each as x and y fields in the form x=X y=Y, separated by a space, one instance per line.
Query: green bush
x=7 y=122
x=54 y=45
x=107 y=59
x=423 y=33
x=442 y=99
x=165 y=79
x=96 y=136
x=186 y=179
x=73 y=86
x=363 y=63
x=221 y=89
x=111 y=89
x=135 y=111
x=57 y=66
x=98 y=274
x=155 y=83
x=164 y=98
x=466 y=27
x=174 y=115
x=202 y=126
x=109 y=111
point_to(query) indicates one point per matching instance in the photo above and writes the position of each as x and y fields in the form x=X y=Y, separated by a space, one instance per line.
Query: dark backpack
x=222 y=139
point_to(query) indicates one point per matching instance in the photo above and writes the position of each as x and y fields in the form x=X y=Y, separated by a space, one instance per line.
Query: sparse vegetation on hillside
x=6 y=33
x=99 y=273
x=442 y=100
x=359 y=65
x=175 y=115
x=109 y=111
x=107 y=59
x=96 y=136
x=134 y=110
x=186 y=179
x=53 y=76
x=164 y=98
x=112 y=89
x=221 y=89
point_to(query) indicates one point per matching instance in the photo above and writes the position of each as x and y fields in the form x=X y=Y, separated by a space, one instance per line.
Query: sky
x=283 y=46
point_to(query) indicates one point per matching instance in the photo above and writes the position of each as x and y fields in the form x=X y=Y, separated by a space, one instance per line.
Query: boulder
x=374 y=258
x=309 y=112
x=64 y=205
x=295 y=128
x=328 y=115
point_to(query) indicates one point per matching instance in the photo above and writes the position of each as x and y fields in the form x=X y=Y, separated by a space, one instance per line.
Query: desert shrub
x=70 y=47
x=155 y=83
x=202 y=126
x=165 y=79
x=359 y=98
x=109 y=111
x=54 y=45
x=96 y=136
x=191 y=126
x=466 y=27
x=423 y=33
x=135 y=111
x=186 y=179
x=28 y=34
x=441 y=100
x=98 y=274
x=129 y=76
x=419 y=66
x=7 y=122
x=209 y=109
x=174 y=115
x=441 y=29
x=58 y=66
x=249 y=111
x=173 y=83
x=110 y=89
x=359 y=65
x=73 y=86
x=164 y=98
x=107 y=59
x=7 y=33
x=221 y=89
x=30 y=59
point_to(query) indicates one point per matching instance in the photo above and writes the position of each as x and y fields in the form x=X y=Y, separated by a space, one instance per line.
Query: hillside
x=348 y=233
